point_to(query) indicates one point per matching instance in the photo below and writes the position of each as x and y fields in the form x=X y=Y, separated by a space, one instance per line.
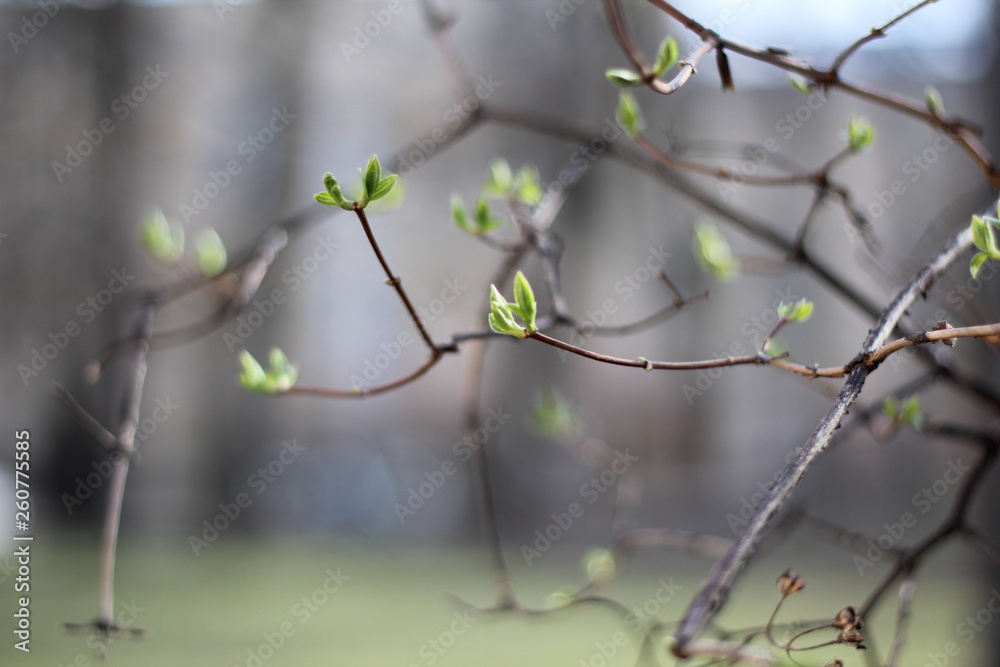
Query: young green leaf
x=389 y=201
x=501 y=318
x=977 y=263
x=529 y=189
x=527 y=307
x=501 y=178
x=252 y=376
x=799 y=84
x=279 y=378
x=282 y=374
x=459 y=216
x=333 y=195
x=629 y=115
x=482 y=212
x=666 y=57
x=210 y=252
x=890 y=407
x=860 y=133
x=162 y=240
x=982 y=235
x=372 y=177
x=383 y=188
x=932 y=98
x=623 y=78
x=800 y=311
x=713 y=252
x=599 y=564
x=910 y=413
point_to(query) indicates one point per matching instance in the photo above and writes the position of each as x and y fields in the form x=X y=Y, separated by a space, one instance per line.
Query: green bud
x=527 y=308
x=599 y=564
x=932 y=98
x=623 y=78
x=910 y=413
x=372 y=175
x=800 y=311
x=161 y=239
x=799 y=84
x=501 y=177
x=666 y=57
x=529 y=189
x=629 y=115
x=279 y=378
x=459 y=216
x=713 y=252
x=860 y=133
x=501 y=317
x=210 y=252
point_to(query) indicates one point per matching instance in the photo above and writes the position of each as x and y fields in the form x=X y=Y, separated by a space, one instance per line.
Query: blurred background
x=226 y=114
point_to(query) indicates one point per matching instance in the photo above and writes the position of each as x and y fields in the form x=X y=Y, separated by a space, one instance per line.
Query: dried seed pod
x=789 y=582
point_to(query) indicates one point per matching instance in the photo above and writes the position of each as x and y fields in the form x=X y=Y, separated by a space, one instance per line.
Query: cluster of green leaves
x=165 y=241
x=373 y=187
x=666 y=58
x=280 y=377
x=522 y=186
x=986 y=241
x=524 y=307
x=800 y=311
x=907 y=412
x=713 y=252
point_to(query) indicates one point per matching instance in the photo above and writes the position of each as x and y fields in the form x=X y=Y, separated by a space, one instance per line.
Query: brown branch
x=963 y=132
x=395 y=281
x=128 y=417
x=714 y=593
x=323 y=392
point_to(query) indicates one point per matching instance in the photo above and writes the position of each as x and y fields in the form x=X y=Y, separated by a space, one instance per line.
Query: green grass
x=216 y=608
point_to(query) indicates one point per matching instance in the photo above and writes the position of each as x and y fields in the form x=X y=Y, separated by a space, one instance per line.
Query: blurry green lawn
x=217 y=608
